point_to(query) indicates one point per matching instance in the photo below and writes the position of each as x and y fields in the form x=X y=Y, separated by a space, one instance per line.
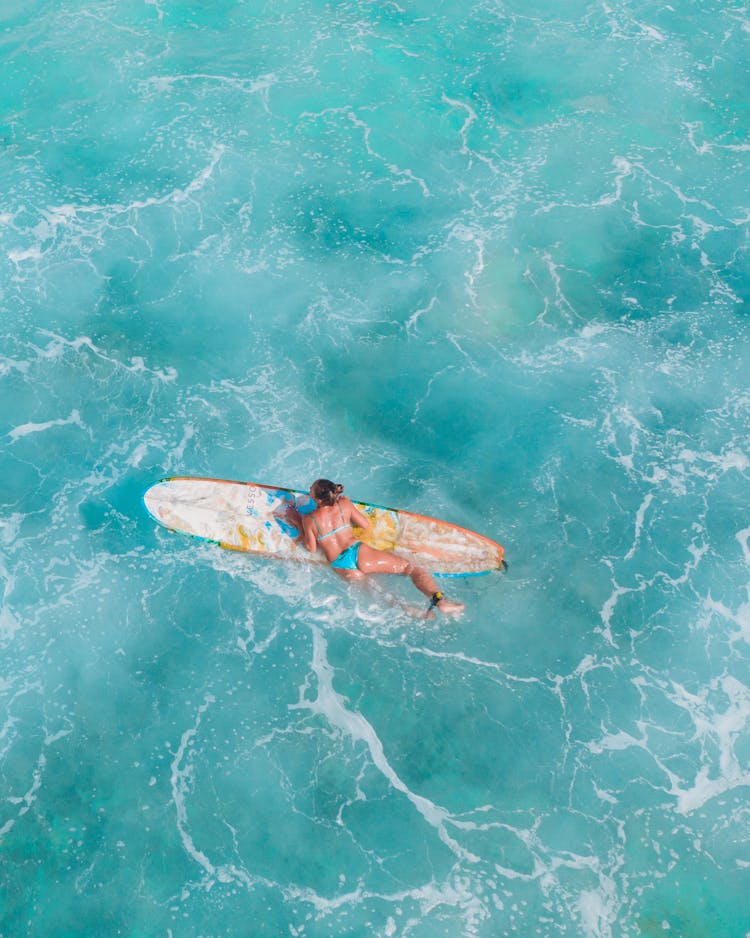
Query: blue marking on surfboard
x=304 y=504
x=287 y=528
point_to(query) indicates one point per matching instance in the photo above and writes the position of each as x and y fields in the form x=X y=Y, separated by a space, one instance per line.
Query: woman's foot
x=446 y=606
x=449 y=608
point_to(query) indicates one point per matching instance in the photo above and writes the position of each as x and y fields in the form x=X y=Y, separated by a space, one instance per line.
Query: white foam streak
x=741 y=618
x=163 y=83
x=596 y=914
x=395 y=170
x=715 y=730
x=459 y=892
x=722 y=729
x=26 y=429
x=57 y=347
x=182 y=784
x=615 y=742
x=9 y=624
x=159 y=11
x=10 y=527
x=182 y=779
x=608 y=609
x=28 y=798
x=331 y=705
x=640 y=515
x=623 y=170
x=402 y=175
x=743 y=538
x=471 y=235
x=79 y=218
x=10 y=364
x=411 y=323
x=471 y=117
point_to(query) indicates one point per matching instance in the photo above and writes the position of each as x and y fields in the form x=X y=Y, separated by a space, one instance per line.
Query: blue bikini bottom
x=347 y=559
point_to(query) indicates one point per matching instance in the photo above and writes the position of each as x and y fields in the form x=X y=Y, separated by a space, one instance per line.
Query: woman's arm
x=308 y=534
x=294 y=518
x=356 y=517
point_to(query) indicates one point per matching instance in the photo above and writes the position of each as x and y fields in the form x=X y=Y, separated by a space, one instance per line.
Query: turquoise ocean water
x=486 y=261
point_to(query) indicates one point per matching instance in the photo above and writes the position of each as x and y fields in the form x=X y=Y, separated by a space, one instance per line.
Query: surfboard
x=252 y=518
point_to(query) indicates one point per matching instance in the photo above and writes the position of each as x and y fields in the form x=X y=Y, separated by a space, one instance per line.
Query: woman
x=329 y=526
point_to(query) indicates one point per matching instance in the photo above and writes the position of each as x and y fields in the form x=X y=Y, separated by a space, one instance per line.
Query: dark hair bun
x=326 y=492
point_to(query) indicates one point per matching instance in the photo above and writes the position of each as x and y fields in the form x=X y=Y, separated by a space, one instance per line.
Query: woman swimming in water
x=329 y=527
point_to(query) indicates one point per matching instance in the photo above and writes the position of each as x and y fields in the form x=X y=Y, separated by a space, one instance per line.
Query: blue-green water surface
x=485 y=261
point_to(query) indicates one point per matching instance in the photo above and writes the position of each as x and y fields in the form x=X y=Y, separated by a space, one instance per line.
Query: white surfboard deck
x=248 y=517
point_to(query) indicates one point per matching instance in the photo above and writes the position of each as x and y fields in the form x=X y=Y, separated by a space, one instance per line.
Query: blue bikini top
x=342 y=527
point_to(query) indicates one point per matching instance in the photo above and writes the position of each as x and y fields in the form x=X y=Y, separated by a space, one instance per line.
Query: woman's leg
x=371 y=560
x=349 y=574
